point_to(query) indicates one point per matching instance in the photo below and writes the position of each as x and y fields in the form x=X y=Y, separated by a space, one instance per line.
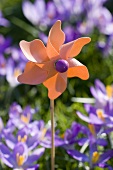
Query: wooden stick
x=52 y=135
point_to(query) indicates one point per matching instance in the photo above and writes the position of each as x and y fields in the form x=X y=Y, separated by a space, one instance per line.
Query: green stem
x=52 y=135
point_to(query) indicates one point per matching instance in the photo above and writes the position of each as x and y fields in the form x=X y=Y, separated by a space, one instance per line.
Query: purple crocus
x=20 y=117
x=5 y=129
x=102 y=119
x=21 y=159
x=40 y=10
x=2 y=65
x=43 y=133
x=4 y=43
x=106 y=45
x=94 y=160
x=3 y=21
x=24 y=136
x=71 y=136
x=102 y=20
x=101 y=93
x=15 y=65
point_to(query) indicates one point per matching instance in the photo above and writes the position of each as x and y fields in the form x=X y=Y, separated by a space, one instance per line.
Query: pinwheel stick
x=52 y=135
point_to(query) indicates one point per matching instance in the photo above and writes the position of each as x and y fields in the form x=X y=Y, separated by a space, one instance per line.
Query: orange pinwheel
x=51 y=65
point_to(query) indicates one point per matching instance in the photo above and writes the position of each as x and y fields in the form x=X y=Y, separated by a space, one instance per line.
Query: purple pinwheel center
x=61 y=65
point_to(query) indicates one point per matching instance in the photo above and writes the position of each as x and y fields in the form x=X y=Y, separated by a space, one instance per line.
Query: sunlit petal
x=77 y=69
x=56 y=85
x=32 y=74
x=73 y=48
x=49 y=67
x=34 y=51
x=55 y=40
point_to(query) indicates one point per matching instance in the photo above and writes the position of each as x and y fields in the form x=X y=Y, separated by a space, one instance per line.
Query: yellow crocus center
x=20 y=159
x=25 y=119
x=17 y=72
x=100 y=114
x=62 y=135
x=92 y=129
x=95 y=157
x=20 y=139
x=44 y=130
x=109 y=91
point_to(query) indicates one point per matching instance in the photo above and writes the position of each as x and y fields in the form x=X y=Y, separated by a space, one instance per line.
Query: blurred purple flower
x=85 y=27
x=20 y=117
x=102 y=20
x=2 y=65
x=4 y=43
x=42 y=14
x=101 y=93
x=15 y=66
x=75 y=135
x=69 y=10
x=43 y=133
x=3 y=22
x=5 y=129
x=70 y=32
x=106 y=46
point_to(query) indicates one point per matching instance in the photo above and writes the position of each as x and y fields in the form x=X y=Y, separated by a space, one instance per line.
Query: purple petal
x=41 y=8
x=10 y=141
x=93 y=119
x=83 y=117
x=105 y=166
x=59 y=141
x=82 y=141
x=106 y=156
x=32 y=142
x=7 y=162
x=102 y=142
x=34 y=167
x=5 y=150
x=100 y=86
x=27 y=6
x=78 y=156
x=35 y=156
x=89 y=108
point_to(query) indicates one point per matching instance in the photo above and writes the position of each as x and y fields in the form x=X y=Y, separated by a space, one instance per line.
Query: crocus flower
x=2 y=65
x=73 y=135
x=41 y=10
x=15 y=65
x=23 y=136
x=94 y=160
x=3 y=21
x=19 y=117
x=5 y=129
x=106 y=45
x=42 y=133
x=21 y=159
x=52 y=65
x=101 y=93
x=4 y=43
